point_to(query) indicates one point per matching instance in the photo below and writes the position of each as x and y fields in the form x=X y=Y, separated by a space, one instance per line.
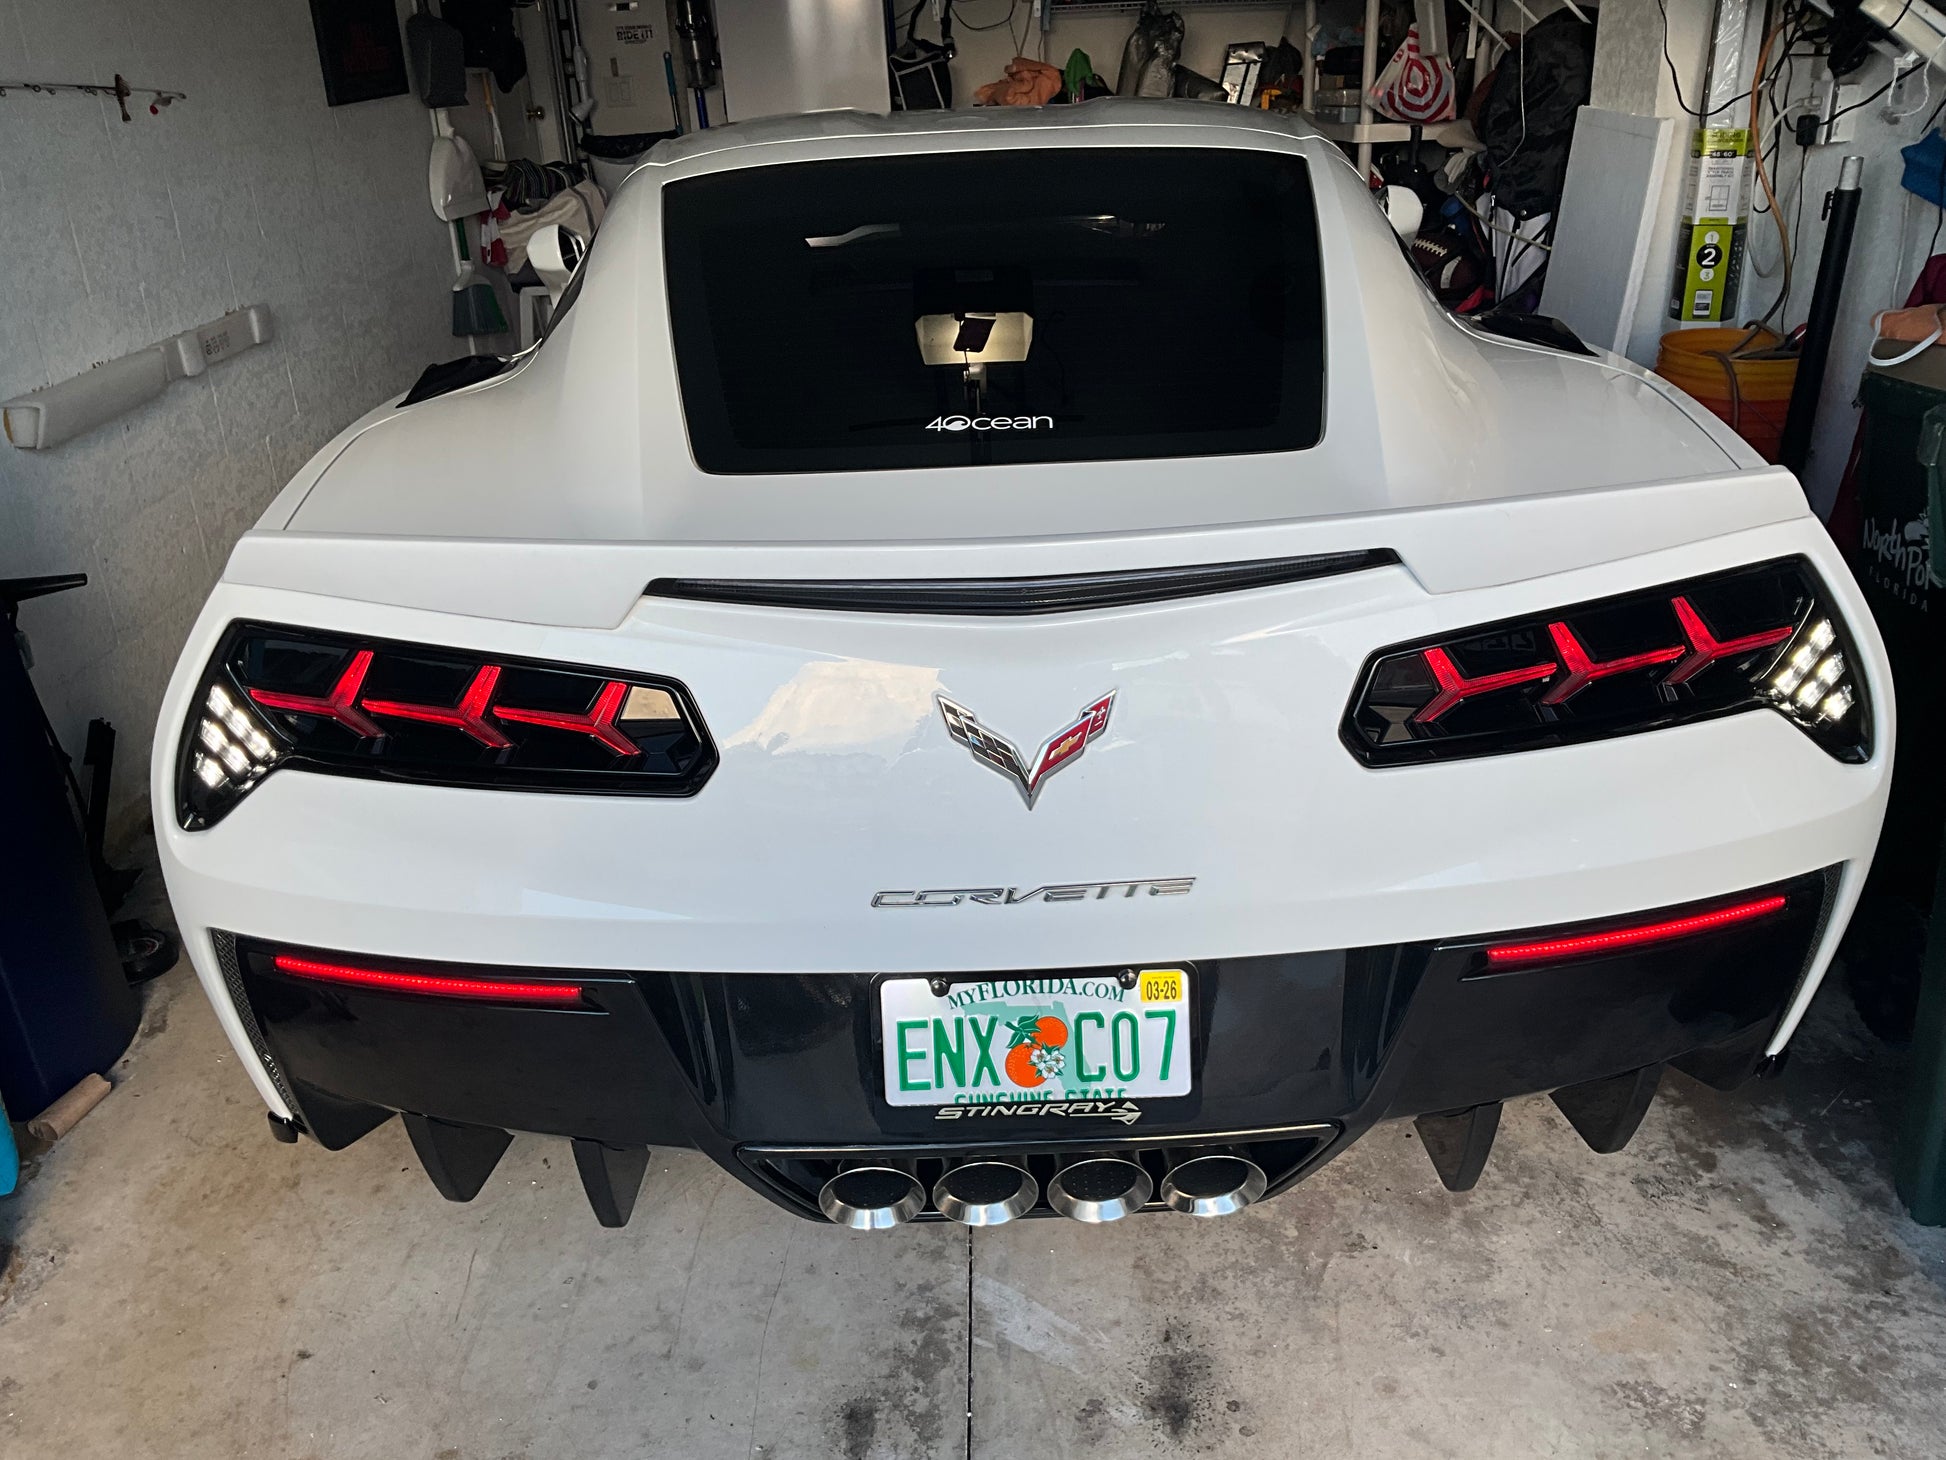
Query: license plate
x=1017 y=1040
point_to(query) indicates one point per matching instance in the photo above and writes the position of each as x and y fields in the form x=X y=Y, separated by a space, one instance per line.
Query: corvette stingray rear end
x=1017 y=666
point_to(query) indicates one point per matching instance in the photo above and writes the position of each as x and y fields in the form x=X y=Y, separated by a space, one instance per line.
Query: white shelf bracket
x=56 y=413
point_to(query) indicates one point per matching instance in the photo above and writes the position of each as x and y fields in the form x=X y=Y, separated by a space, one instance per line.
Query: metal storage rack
x=1053 y=9
x=1370 y=127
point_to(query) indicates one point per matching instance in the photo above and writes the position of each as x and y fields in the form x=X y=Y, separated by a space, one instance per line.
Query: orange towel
x=1027 y=83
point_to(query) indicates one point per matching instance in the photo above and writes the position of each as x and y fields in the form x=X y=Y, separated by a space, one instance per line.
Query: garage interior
x=223 y=251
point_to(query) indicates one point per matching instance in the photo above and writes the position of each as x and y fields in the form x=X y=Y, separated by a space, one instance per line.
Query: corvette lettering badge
x=1046 y=892
x=999 y=752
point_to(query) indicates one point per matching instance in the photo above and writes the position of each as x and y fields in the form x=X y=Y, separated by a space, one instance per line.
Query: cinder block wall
x=115 y=235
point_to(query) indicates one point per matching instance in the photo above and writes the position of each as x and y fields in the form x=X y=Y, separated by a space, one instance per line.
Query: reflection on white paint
x=849 y=706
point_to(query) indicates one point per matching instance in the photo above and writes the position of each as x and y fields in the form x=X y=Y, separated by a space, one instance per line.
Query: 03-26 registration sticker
x=1024 y=1040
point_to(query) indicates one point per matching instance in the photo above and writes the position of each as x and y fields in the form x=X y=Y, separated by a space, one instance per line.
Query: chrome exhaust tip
x=870 y=1198
x=1213 y=1184
x=985 y=1192
x=1099 y=1188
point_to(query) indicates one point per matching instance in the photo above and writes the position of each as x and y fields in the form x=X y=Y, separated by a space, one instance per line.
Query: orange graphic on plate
x=1034 y=1050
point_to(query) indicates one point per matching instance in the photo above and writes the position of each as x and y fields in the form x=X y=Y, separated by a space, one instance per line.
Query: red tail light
x=1589 y=945
x=392 y=981
x=598 y=724
x=1705 y=648
x=468 y=715
x=277 y=697
x=339 y=704
x=1583 y=671
x=1742 y=640
x=1455 y=688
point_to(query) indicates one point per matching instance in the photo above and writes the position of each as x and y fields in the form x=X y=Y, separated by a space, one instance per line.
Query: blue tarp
x=1925 y=169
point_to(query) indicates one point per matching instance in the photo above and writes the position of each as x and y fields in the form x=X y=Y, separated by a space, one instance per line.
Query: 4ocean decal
x=990 y=423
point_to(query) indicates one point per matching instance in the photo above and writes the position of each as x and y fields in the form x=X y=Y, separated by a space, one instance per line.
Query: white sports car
x=1007 y=663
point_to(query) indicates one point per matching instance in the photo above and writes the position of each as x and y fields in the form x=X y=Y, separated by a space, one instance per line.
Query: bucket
x=1752 y=395
x=9 y=1156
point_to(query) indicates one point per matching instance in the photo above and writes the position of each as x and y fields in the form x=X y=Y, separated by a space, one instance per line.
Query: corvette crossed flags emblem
x=995 y=750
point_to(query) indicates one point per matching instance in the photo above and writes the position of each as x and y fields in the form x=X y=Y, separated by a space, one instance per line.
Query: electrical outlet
x=1837 y=110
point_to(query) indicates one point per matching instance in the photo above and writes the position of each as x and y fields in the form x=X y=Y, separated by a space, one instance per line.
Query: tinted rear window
x=1048 y=304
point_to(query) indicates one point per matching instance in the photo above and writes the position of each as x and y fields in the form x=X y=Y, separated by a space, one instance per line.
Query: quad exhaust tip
x=870 y=1198
x=1213 y=1184
x=988 y=1191
x=1099 y=1188
x=985 y=1192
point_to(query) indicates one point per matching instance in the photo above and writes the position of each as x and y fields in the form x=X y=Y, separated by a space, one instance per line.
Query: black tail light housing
x=1760 y=637
x=275 y=697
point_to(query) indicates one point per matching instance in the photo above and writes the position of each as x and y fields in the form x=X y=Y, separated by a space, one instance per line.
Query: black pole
x=1841 y=208
x=99 y=756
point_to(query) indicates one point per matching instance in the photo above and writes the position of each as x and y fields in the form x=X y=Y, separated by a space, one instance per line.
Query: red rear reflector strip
x=392 y=982
x=339 y=705
x=1455 y=687
x=468 y=715
x=1555 y=949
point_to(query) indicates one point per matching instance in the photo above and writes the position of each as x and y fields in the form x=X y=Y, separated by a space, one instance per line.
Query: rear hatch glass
x=963 y=309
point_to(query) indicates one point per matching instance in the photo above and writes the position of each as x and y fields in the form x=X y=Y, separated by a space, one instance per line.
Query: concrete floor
x=1739 y=1282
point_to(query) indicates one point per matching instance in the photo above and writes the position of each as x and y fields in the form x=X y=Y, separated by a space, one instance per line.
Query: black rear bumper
x=776 y=1076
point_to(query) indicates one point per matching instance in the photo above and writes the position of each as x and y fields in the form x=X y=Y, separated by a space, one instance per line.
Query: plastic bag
x=1415 y=86
x=1150 y=56
x=1196 y=86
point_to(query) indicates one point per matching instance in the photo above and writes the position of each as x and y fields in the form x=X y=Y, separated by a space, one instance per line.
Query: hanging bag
x=922 y=74
x=1150 y=56
x=1415 y=86
x=437 y=52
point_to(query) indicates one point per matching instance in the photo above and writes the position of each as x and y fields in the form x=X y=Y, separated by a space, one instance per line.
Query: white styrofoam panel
x=787 y=56
x=1602 y=259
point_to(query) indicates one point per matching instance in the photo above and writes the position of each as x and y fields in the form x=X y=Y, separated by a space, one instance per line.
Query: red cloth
x=1930 y=288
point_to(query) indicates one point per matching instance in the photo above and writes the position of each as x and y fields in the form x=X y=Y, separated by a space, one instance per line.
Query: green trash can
x=1893 y=566
x=1920 y=1169
x=1898 y=935
x=1884 y=948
